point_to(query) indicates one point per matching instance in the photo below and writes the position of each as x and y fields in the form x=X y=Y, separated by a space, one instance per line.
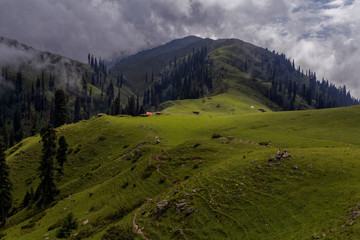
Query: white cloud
x=320 y=35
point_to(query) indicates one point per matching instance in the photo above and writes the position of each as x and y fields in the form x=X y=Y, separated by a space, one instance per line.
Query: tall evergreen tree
x=17 y=126
x=18 y=83
x=46 y=190
x=60 y=111
x=5 y=187
x=115 y=107
x=61 y=153
x=77 y=109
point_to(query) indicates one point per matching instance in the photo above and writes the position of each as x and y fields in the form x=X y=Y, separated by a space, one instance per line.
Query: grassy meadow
x=216 y=162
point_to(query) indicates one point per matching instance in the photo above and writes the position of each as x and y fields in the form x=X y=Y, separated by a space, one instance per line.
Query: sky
x=321 y=35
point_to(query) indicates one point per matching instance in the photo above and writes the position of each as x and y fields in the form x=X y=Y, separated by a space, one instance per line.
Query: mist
x=319 y=35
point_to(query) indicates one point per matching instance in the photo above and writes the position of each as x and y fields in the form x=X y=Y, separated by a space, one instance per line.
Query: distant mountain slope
x=159 y=72
x=29 y=79
x=188 y=68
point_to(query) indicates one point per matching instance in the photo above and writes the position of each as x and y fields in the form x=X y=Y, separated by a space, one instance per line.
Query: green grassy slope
x=117 y=164
x=228 y=62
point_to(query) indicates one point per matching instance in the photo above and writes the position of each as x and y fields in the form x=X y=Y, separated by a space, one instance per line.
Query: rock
x=353 y=216
x=295 y=167
x=315 y=237
x=161 y=206
x=195 y=190
x=176 y=191
x=272 y=159
x=323 y=235
x=190 y=211
x=310 y=166
x=85 y=222
x=254 y=160
x=149 y=200
x=181 y=207
x=187 y=195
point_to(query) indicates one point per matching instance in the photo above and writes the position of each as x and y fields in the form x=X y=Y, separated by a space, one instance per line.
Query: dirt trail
x=137 y=229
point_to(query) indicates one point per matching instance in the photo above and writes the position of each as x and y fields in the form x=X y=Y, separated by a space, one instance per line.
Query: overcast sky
x=319 y=34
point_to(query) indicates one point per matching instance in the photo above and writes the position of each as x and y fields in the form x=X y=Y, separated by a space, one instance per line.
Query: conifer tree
x=17 y=126
x=77 y=110
x=115 y=107
x=60 y=111
x=5 y=187
x=46 y=190
x=61 y=153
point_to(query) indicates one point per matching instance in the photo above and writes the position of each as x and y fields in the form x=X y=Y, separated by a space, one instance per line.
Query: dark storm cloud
x=319 y=34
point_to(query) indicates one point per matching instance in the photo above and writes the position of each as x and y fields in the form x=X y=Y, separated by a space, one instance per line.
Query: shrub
x=78 y=148
x=56 y=225
x=29 y=225
x=162 y=179
x=117 y=232
x=102 y=138
x=119 y=214
x=125 y=184
x=148 y=171
x=67 y=226
x=216 y=135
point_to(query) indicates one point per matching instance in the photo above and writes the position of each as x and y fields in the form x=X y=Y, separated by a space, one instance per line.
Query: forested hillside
x=187 y=68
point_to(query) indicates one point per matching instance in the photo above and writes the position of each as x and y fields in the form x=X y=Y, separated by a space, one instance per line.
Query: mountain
x=188 y=68
x=193 y=67
x=203 y=166
x=29 y=79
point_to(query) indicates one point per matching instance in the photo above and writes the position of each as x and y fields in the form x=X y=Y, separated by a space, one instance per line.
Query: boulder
x=187 y=195
x=85 y=222
x=161 y=206
x=190 y=211
x=180 y=207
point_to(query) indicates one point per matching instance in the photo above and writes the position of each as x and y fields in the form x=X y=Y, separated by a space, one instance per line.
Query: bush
x=78 y=148
x=29 y=225
x=117 y=232
x=102 y=138
x=86 y=233
x=148 y=171
x=70 y=151
x=162 y=179
x=125 y=184
x=216 y=135
x=119 y=214
x=68 y=225
x=56 y=225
